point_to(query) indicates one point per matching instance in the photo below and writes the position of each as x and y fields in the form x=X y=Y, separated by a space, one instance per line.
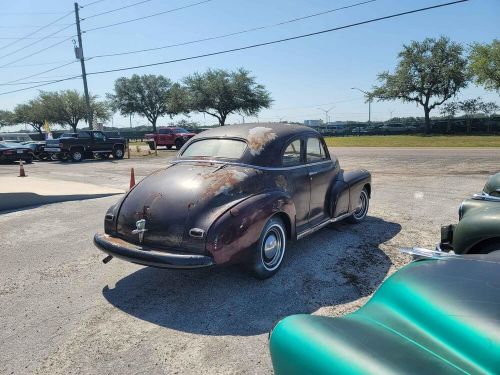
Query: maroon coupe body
x=235 y=194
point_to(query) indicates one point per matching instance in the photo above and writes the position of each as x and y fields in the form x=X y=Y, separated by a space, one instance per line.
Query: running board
x=322 y=225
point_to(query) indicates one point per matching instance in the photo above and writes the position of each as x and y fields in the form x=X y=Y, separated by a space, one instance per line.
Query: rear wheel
x=118 y=153
x=151 y=145
x=76 y=156
x=169 y=147
x=361 y=209
x=178 y=144
x=270 y=249
x=29 y=160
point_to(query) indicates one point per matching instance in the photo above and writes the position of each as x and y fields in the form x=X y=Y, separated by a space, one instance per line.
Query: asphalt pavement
x=62 y=311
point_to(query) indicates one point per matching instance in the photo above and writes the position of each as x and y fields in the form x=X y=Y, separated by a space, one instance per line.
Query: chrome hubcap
x=77 y=156
x=273 y=247
x=362 y=206
x=119 y=153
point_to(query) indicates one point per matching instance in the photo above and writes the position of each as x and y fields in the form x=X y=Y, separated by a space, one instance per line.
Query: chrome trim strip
x=322 y=225
x=485 y=197
x=250 y=165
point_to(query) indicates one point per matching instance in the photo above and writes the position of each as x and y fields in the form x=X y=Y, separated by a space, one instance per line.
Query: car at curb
x=88 y=144
x=433 y=316
x=235 y=194
x=168 y=137
x=478 y=228
x=11 y=152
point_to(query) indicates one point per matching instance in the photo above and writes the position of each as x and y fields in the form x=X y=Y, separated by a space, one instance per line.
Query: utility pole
x=79 y=55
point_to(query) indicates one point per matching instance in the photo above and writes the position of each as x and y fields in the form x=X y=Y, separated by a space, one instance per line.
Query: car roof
x=265 y=140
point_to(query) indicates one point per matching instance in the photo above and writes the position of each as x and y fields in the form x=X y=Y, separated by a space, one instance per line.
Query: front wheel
x=76 y=156
x=118 y=153
x=270 y=249
x=178 y=144
x=361 y=209
x=151 y=145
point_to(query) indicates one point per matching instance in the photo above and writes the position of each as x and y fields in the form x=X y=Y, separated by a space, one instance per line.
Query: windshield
x=180 y=130
x=215 y=148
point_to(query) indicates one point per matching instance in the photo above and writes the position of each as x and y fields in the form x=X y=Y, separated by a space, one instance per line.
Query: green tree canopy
x=219 y=93
x=149 y=96
x=428 y=73
x=69 y=107
x=6 y=118
x=33 y=113
x=485 y=64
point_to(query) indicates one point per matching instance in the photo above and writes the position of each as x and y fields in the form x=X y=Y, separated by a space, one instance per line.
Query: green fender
x=431 y=317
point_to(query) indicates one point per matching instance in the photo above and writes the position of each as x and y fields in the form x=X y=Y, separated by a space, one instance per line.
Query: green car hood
x=492 y=186
x=432 y=316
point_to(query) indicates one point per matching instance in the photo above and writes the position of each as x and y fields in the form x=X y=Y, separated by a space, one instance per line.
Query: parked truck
x=168 y=137
x=87 y=144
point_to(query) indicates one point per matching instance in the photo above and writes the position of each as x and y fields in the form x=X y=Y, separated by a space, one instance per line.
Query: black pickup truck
x=86 y=144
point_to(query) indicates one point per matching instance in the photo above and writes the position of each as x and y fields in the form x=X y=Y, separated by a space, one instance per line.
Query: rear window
x=215 y=148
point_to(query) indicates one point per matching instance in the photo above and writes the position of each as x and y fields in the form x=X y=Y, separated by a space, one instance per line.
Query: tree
x=485 y=64
x=149 y=96
x=33 y=113
x=449 y=110
x=69 y=107
x=470 y=107
x=428 y=73
x=219 y=93
x=489 y=109
x=6 y=118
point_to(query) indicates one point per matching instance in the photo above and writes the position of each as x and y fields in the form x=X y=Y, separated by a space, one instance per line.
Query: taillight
x=8 y=152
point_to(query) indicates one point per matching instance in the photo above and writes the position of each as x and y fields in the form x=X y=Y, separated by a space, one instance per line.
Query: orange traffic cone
x=132 y=178
x=21 y=169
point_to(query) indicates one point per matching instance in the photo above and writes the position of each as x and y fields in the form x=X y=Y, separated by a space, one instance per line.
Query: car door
x=296 y=174
x=321 y=172
x=101 y=142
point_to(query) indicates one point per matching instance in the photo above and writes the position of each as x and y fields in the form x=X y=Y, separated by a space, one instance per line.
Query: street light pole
x=367 y=94
x=326 y=114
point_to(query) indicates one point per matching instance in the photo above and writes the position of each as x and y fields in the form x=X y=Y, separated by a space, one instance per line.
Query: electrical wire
x=36 y=74
x=251 y=46
x=36 y=64
x=115 y=10
x=301 y=36
x=92 y=3
x=148 y=16
x=37 y=41
x=233 y=33
x=36 y=53
x=37 y=30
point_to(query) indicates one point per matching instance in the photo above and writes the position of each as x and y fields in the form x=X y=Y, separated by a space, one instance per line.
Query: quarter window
x=315 y=150
x=291 y=156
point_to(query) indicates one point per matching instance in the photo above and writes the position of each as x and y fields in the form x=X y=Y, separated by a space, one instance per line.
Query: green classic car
x=427 y=318
x=478 y=229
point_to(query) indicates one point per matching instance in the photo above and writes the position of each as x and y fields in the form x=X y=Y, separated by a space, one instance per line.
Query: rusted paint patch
x=222 y=182
x=258 y=137
x=281 y=182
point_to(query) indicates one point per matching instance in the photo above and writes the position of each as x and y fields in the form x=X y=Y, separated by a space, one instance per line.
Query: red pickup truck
x=168 y=137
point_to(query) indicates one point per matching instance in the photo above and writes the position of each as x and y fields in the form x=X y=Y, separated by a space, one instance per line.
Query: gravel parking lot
x=62 y=311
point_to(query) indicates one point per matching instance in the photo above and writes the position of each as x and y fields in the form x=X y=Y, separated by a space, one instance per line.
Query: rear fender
x=346 y=189
x=234 y=235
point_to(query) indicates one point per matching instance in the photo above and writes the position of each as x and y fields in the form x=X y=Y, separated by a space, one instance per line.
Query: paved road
x=62 y=311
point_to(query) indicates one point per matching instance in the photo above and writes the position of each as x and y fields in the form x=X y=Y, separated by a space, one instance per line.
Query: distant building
x=313 y=123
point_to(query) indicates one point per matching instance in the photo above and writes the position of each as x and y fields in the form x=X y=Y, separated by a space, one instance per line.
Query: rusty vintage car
x=235 y=194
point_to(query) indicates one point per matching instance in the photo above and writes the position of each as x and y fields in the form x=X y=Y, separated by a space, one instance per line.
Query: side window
x=291 y=156
x=83 y=135
x=315 y=150
x=99 y=136
x=163 y=131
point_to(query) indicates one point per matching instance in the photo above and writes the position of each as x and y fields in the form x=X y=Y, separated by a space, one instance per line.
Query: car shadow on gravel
x=333 y=266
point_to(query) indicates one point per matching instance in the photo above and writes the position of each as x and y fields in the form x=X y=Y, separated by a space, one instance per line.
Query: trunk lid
x=181 y=197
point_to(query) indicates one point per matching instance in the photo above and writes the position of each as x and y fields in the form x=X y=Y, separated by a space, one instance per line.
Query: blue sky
x=301 y=75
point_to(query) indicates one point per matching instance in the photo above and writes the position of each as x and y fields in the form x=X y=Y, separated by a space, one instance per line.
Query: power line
x=115 y=10
x=36 y=64
x=32 y=26
x=233 y=33
x=92 y=3
x=253 y=45
x=149 y=16
x=27 y=13
x=36 y=53
x=36 y=74
x=280 y=40
x=50 y=37
x=37 y=30
x=36 y=42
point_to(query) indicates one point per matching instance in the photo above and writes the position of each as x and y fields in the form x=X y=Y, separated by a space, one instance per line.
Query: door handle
x=313 y=174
